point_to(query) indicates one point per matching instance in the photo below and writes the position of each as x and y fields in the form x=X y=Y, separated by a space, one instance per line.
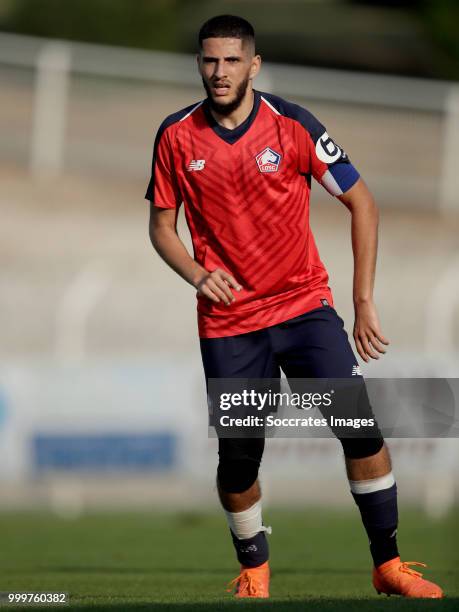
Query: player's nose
x=220 y=69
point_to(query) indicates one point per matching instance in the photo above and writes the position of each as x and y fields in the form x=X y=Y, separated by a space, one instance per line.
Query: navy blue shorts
x=312 y=345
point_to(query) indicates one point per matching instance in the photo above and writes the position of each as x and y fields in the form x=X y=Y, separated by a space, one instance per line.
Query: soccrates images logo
x=268 y=160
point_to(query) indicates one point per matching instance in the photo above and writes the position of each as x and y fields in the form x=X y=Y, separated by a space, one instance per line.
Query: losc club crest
x=268 y=160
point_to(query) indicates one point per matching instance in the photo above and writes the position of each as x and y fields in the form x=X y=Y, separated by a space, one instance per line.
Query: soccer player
x=241 y=161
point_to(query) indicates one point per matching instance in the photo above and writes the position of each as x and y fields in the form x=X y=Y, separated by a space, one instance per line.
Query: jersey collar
x=231 y=136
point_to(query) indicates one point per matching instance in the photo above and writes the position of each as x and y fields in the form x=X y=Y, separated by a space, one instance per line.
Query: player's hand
x=216 y=286
x=369 y=340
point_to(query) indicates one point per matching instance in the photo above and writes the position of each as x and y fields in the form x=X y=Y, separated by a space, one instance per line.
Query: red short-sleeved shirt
x=246 y=198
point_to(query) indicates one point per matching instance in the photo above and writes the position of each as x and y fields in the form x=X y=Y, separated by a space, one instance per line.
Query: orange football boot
x=252 y=582
x=394 y=577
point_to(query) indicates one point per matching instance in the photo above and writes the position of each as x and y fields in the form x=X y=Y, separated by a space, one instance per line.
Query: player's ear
x=255 y=66
x=199 y=63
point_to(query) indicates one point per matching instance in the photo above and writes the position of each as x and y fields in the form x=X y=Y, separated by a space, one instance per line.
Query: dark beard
x=227 y=109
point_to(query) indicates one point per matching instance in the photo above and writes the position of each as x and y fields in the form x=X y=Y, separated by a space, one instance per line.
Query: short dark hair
x=227 y=26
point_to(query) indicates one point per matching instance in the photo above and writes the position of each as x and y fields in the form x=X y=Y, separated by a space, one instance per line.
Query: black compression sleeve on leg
x=237 y=476
x=359 y=448
x=240 y=460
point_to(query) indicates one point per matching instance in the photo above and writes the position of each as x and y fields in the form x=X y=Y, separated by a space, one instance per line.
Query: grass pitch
x=182 y=562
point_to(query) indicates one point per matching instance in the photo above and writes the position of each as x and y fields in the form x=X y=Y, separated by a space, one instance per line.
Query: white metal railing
x=316 y=83
x=53 y=60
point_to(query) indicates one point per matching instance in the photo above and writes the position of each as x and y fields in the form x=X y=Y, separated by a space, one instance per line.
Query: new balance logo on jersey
x=196 y=164
x=356 y=371
x=268 y=160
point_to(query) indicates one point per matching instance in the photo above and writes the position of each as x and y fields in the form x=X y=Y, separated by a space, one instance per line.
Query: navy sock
x=251 y=552
x=380 y=518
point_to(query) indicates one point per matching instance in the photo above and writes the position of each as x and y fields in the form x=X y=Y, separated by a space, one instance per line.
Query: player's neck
x=239 y=115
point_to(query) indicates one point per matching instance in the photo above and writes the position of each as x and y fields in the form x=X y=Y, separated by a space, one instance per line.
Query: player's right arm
x=214 y=285
x=164 y=195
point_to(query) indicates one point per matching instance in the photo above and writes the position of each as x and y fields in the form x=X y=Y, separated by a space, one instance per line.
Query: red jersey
x=246 y=198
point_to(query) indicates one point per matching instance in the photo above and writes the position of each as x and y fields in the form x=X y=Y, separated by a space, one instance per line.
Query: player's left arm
x=369 y=339
x=332 y=168
x=329 y=164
